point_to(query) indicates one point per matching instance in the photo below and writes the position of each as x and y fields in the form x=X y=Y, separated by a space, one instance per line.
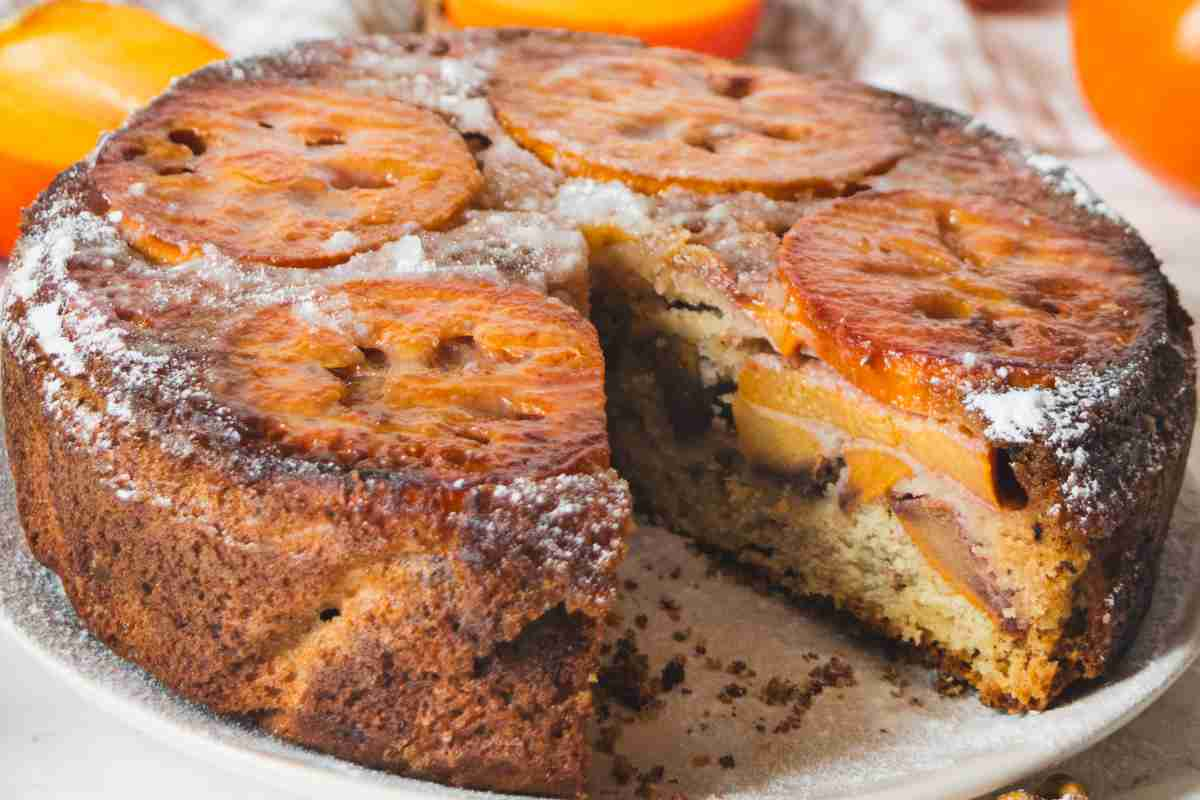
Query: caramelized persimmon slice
x=909 y=295
x=453 y=376
x=655 y=118
x=298 y=176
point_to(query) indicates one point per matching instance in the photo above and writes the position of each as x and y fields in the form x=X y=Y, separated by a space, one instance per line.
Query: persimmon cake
x=312 y=371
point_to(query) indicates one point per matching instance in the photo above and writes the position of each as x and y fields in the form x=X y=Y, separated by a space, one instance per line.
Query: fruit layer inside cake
x=917 y=527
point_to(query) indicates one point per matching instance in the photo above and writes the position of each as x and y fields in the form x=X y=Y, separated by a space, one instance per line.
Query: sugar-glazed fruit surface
x=310 y=335
x=457 y=377
x=282 y=174
x=668 y=118
x=893 y=289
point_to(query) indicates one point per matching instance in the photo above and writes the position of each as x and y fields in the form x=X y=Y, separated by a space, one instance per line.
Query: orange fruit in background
x=1139 y=65
x=70 y=70
x=22 y=182
x=719 y=27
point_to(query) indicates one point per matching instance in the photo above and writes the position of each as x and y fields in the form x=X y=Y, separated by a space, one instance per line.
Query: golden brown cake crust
x=348 y=612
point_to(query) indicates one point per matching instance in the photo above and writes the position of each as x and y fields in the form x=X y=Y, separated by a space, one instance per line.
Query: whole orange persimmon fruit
x=1139 y=64
x=720 y=27
x=70 y=70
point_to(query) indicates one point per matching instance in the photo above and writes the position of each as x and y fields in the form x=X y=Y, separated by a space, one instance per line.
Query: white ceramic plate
x=889 y=736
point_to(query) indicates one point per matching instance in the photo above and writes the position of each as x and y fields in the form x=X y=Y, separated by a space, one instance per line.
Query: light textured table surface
x=53 y=745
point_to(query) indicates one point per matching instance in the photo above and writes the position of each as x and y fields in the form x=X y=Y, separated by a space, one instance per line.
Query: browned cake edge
x=351 y=637
x=1140 y=438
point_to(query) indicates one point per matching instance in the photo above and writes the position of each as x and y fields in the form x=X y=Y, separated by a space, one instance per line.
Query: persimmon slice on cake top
x=453 y=376
x=908 y=294
x=281 y=174
x=655 y=118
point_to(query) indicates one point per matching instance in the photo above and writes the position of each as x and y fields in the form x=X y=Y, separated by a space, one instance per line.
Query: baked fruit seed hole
x=281 y=174
x=453 y=375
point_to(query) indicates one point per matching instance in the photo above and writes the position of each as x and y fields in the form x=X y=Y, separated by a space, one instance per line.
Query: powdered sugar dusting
x=1059 y=417
x=588 y=202
x=46 y=322
x=1065 y=181
x=522 y=246
x=66 y=328
x=1064 y=416
x=340 y=241
x=1014 y=415
x=574 y=524
x=406 y=254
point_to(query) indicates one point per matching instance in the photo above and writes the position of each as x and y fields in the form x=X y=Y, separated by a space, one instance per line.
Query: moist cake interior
x=674 y=438
x=705 y=460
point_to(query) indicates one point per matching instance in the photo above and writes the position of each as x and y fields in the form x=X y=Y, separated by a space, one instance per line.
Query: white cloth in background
x=243 y=27
x=247 y=26
x=1012 y=71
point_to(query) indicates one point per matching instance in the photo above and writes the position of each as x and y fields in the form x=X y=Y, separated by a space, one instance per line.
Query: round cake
x=317 y=371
